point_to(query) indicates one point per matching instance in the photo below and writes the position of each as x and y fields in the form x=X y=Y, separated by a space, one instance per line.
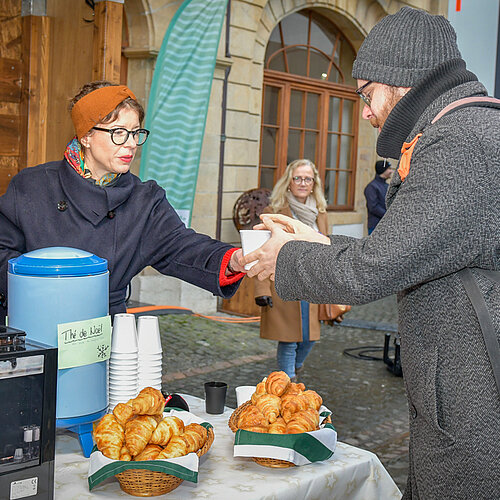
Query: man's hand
x=299 y=230
x=283 y=229
x=264 y=300
x=267 y=254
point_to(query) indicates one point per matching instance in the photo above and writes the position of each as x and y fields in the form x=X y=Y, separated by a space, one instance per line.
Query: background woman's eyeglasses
x=120 y=136
x=299 y=180
x=367 y=100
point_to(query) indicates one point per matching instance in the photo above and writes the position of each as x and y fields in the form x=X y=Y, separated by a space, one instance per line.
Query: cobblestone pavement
x=368 y=402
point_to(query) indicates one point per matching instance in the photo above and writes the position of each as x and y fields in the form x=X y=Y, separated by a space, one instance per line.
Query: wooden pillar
x=108 y=16
x=34 y=93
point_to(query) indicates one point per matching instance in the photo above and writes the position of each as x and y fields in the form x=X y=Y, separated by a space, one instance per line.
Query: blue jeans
x=291 y=355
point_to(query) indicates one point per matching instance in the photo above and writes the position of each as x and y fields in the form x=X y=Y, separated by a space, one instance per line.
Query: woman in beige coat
x=295 y=325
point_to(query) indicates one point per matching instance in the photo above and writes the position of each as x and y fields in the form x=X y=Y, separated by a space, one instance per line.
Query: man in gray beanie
x=437 y=247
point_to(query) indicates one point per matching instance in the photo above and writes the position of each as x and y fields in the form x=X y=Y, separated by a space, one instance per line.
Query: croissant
x=292 y=404
x=123 y=412
x=149 y=401
x=256 y=428
x=138 y=432
x=277 y=383
x=149 y=453
x=251 y=416
x=294 y=389
x=260 y=390
x=109 y=436
x=176 y=447
x=196 y=436
x=303 y=421
x=277 y=427
x=158 y=417
x=168 y=427
x=125 y=454
x=314 y=400
x=270 y=406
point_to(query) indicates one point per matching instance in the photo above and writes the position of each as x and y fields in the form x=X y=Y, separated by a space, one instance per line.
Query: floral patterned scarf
x=74 y=156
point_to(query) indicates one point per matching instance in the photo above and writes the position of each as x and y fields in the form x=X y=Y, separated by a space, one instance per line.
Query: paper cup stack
x=150 y=352
x=123 y=361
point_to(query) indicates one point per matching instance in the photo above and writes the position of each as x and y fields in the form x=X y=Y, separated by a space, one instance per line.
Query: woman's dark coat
x=130 y=224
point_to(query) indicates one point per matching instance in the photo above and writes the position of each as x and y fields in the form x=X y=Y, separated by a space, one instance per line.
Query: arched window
x=310 y=107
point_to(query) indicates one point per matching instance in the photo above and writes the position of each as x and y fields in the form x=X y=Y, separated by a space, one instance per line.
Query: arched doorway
x=310 y=108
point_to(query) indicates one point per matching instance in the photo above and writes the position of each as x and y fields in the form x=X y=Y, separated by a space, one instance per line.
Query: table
x=352 y=473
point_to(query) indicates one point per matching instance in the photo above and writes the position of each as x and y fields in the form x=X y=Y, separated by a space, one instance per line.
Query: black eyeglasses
x=120 y=136
x=367 y=100
x=299 y=180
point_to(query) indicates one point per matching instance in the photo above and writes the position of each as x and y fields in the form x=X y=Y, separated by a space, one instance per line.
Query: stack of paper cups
x=123 y=362
x=150 y=352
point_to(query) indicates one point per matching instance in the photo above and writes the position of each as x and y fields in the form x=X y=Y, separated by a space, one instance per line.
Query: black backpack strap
x=483 y=316
x=487 y=102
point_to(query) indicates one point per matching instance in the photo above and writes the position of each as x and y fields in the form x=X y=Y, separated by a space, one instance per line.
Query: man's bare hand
x=299 y=230
x=283 y=229
x=267 y=254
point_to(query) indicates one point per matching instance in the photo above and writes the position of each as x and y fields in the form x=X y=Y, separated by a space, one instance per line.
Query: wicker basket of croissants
x=137 y=431
x=278 y=406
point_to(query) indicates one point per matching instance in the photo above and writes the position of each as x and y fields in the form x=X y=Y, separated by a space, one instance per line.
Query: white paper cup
x=124 y=338
x=244 y=393
x=148 y=335
x=123 y=366
x=122 y=379
x=251 y=239
x=154 y=386
x=122 y=393
x=131 y=375
x=150 y=366
x=123 y=356
x=145 y=359
x=149 y=371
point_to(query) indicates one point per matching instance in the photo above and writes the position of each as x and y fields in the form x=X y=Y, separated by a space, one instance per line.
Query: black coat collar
x=406 y=113
x=93 y=202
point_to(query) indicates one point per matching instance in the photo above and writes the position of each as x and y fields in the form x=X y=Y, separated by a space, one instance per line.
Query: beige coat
x=283 y=321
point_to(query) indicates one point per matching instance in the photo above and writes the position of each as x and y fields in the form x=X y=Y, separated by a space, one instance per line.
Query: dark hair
x=128 y=102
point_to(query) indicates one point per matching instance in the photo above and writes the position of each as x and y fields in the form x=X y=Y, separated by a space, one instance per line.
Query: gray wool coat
x=444 y=217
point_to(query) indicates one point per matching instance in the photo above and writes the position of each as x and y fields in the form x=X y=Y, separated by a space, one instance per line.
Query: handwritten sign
x=84 y=342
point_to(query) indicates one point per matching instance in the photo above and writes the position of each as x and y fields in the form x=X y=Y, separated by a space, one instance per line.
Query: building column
x=35 y=84
x=108 y=18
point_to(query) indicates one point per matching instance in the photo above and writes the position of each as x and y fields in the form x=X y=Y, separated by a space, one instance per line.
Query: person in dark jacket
x=437 y=247
x=375 y=192
x=89 y=200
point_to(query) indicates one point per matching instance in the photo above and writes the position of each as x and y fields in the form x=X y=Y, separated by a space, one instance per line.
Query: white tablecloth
x=351 y=474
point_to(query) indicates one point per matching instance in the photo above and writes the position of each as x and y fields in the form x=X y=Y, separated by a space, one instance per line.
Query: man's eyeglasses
x=120 y=136
x=367 y=100
x=299 y=180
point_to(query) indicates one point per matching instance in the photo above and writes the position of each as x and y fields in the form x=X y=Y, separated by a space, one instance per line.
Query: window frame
x=288 y=82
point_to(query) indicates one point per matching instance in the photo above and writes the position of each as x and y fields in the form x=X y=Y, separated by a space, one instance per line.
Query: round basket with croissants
x=279 y=406
x=138 y=430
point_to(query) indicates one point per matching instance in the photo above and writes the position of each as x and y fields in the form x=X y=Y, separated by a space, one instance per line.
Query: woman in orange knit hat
x=90 y=200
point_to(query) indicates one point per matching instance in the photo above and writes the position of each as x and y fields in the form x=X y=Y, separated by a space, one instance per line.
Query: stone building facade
x=251 y=27
x=282 y=86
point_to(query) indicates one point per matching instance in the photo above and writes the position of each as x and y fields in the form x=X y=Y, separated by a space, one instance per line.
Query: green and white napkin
x=300 y=449
x=186 y=467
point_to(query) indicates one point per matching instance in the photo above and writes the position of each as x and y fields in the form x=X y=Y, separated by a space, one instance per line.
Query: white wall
x=476 y=25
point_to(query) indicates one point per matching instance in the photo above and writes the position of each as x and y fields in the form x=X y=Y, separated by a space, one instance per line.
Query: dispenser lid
x=58 y=261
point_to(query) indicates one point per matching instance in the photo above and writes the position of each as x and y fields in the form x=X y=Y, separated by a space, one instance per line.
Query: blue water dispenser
x=59 y=285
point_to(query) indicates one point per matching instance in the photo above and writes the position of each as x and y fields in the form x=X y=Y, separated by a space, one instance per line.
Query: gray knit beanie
x=402 y=48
